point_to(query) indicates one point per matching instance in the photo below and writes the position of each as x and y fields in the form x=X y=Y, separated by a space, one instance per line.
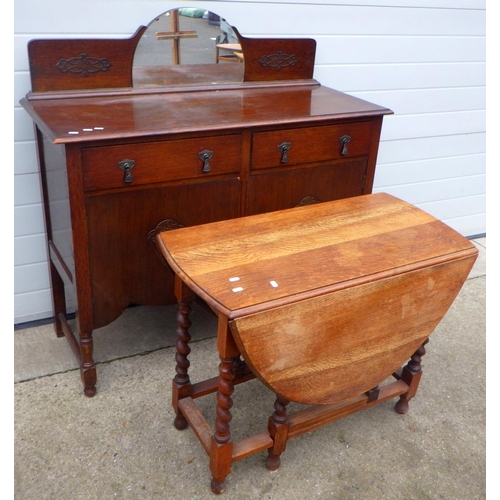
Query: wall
x=424 y=59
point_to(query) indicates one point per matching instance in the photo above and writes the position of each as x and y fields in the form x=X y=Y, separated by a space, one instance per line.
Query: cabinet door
x=124 y=265
x=289 y=188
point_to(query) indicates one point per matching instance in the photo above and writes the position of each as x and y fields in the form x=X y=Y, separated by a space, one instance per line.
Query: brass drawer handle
x=205 y=157
x=126 y=166
x=284 y=147
x=344 y=140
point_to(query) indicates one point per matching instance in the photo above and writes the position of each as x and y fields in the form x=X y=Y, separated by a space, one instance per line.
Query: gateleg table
x=329 y=305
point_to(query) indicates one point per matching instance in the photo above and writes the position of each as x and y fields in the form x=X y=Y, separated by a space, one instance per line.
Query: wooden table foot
x=278 y=430
x=411 y=375
x=180 y=423
x=273 y=462
x=218 y=487
x=179 y=392
x=220 y=464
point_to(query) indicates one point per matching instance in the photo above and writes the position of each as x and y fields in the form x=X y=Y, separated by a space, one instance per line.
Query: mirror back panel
x=179 y=48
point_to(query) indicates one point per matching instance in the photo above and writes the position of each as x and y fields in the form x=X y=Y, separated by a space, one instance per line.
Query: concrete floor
x=121 y=444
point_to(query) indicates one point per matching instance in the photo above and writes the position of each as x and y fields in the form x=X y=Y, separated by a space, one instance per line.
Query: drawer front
x=309 y=145
x=146 y=163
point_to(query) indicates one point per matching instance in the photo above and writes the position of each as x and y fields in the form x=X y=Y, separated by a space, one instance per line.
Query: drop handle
x=126 y=166
x=344 y=140
x=284 y=147
x=205 y=157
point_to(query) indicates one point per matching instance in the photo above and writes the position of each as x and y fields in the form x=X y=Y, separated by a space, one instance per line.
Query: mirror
x=188 y=46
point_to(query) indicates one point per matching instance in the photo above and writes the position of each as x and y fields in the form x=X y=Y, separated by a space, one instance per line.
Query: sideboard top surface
x=104 y=117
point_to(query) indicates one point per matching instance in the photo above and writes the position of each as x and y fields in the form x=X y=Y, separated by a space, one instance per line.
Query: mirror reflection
x=188 y=46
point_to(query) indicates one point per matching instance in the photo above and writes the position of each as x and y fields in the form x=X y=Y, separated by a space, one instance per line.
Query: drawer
x=310 y=145
x=152 y=162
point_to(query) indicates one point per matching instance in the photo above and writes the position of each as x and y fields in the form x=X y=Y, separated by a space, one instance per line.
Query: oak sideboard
x=129 y=150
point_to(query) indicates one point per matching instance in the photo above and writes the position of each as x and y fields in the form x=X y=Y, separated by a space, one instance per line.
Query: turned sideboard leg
x=87 y=366
x=411 y=374
x=82 y=344
x=222 y=446
x=278 y=429
x=181 y=384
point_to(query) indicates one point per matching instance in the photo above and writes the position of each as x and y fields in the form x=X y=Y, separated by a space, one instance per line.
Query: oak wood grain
x=330 y=245
x=326 y=301
x=160 y=161
x=336 y=346
x=90 y=115
x=143 y=115
x=321 y=143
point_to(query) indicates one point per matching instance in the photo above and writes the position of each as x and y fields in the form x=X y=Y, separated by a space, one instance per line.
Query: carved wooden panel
x=271 y=59
x=78 y=64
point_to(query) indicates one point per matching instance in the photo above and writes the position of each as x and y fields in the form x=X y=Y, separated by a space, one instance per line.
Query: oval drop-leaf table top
x=328 y=300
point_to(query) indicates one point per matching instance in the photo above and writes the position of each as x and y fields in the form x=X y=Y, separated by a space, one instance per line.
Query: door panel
x=289 y=188
x=124 y=265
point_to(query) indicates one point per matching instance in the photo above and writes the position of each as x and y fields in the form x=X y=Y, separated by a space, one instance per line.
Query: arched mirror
x=188 y=46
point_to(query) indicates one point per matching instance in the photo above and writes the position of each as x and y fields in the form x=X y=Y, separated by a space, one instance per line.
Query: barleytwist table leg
x=222 y=446
x=181 y=383
x=278 y=429
x=411 y=374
